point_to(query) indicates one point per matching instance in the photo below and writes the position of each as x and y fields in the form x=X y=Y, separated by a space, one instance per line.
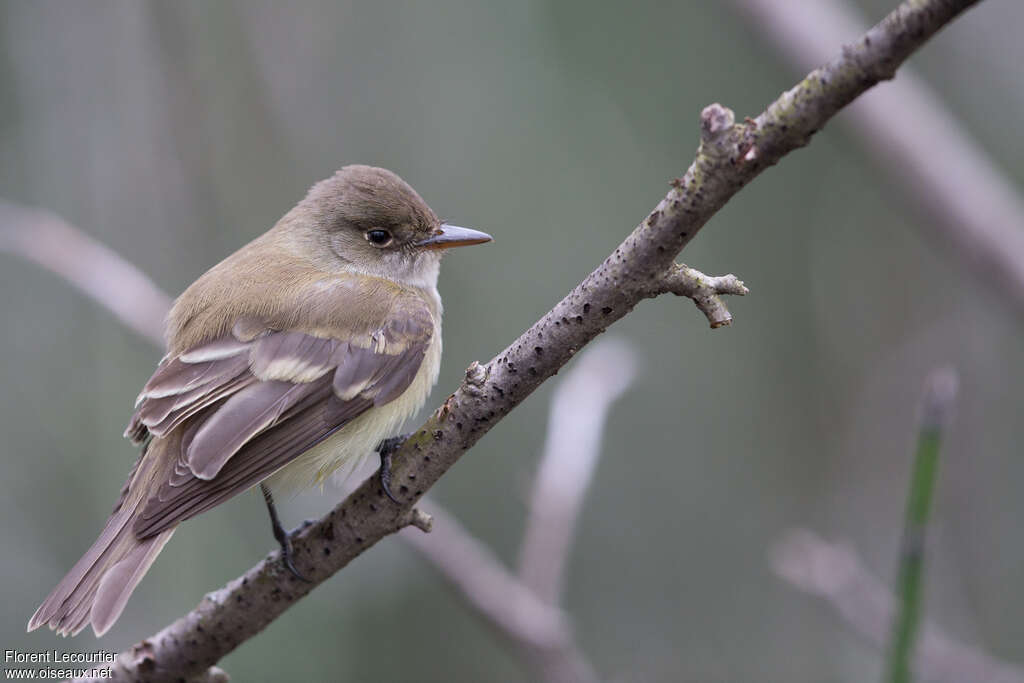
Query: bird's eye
x=379 y=238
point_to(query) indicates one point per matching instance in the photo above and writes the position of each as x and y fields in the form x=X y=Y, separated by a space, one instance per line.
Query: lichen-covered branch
x=729 y=157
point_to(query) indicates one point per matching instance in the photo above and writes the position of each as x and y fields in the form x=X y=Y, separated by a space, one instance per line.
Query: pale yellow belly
x=350 y=446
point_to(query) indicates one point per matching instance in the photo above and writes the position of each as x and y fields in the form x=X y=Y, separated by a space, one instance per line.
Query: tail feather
x=119 y=581
x=60 y=609
x=99 y=592
x=99 y=585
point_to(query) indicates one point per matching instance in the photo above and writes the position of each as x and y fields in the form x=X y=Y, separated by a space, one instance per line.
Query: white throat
x=421 y=271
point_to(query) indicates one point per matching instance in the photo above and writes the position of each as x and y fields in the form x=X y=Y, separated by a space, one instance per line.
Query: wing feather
x=243 y=416
x=251 y=402
x=260 y=458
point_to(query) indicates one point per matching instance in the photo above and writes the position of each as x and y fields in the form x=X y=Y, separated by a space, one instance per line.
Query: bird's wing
x=252 y=401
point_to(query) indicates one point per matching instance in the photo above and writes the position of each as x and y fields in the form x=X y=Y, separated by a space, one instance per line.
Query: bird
x=290 y=361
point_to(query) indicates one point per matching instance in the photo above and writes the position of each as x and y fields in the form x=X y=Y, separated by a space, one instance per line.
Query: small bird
x=290 y=360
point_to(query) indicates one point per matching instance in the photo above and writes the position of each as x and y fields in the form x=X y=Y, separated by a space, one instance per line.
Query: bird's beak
x=448 y=236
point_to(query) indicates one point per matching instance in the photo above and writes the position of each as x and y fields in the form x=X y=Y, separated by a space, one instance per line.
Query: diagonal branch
x=970 y=205
x=729 y=157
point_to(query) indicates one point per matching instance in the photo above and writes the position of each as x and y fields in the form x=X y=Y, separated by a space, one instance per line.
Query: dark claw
x=385 y=449
x=282 y=537
x=286 y=559
x=385 y=476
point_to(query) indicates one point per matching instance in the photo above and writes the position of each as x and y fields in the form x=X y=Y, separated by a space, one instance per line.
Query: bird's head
x=373 y=222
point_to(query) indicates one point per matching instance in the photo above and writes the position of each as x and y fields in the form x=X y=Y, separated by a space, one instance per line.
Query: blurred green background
x=175 y=132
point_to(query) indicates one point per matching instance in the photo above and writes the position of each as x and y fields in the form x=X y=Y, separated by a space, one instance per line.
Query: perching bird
x=290 y=360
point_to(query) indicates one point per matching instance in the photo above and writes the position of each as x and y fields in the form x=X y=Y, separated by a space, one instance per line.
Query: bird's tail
x=99 y=585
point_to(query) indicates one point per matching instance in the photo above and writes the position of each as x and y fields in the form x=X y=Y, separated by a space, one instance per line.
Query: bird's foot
x=283 y=538
x=287 y=554
x=385 y=449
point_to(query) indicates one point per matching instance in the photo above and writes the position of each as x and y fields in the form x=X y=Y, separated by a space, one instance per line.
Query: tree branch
x=729 y=157
x=970 y=205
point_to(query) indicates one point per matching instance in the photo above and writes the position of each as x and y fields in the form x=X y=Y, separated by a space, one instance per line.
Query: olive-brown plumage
x=288 y=360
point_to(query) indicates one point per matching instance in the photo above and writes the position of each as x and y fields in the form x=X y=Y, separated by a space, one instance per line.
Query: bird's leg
x=385 y=449
x=280 y=534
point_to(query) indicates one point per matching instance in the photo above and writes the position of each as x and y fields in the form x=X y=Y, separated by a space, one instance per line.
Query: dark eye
x=379 y=238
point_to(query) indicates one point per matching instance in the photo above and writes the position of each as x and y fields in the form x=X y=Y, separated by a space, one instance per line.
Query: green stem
x=938 y=401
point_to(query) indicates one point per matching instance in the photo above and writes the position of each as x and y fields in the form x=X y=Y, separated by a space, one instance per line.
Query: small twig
x=705 y=290
x=834 y=573
x=93 y=268
x=421 y=520
x=937 y=405
x=579 y=410
x=539 y=630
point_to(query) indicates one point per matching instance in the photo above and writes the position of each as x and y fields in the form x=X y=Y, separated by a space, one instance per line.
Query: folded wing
x=252 y=401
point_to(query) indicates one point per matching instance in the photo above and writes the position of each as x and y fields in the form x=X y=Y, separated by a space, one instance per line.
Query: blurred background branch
x=967 y=202
x=526 y=608
x=539 y=631
x=579 y=410
x=47 y=240
x=834 y=572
